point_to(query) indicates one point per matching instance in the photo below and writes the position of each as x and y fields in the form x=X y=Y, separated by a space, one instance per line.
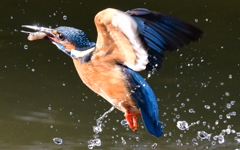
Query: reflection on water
x=43 y=101
x=41 y=117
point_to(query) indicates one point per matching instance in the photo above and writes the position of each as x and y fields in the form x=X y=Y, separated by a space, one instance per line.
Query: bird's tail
x=146 y=101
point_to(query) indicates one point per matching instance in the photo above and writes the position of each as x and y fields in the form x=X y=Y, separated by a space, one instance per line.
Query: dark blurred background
x=42 y=97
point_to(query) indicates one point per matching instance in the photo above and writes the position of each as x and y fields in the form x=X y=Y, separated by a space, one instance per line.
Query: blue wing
x=162 y=32
x=146 y=101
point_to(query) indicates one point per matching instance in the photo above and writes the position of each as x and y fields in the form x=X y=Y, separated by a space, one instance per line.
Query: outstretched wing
x=139 y=37
x=118 y=40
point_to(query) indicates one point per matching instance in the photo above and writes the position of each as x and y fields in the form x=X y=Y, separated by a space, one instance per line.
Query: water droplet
x=228 y=131
x=204 y=123
x=207 y=106
x=228 y=105
x=182 y=125
x=123 y=141
x=194 y=140
x=25 y=46
x=196 y=20
x=238 y=140
x=137 y=139
x=177 y=116
x=233 y=113
x=220 y=116
x=232 y=102
x=238 y=134
x=182 y=104
x=221 y=139
x=57 y=140
x=90 y=147
x=64 y=17
x=216 y=122
x=98 y=142
x=94 y=142
x=124 y=122
x=33 y=70
x=178 y=94
x=154 y=146
x=228 y=116
x=215 y=137
x=227 y=93
x=203 y=135
x=191 y=110
x=230 y=76
x=149 y=75
x=97 y=129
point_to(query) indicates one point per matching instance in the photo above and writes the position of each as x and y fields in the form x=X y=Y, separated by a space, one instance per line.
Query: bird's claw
x=132 y=120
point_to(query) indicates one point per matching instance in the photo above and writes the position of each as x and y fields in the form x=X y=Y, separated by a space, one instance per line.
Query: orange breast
x=108 y=81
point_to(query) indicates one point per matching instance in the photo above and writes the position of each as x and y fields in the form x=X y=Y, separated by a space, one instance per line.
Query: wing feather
x=119 y=40
x=162 y=33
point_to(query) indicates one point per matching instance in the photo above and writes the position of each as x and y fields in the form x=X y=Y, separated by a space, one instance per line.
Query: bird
x=127 y=43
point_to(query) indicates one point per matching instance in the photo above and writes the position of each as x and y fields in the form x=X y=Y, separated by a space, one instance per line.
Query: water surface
x=42 y=97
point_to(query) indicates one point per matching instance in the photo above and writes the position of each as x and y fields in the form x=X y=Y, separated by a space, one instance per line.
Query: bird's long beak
x=39 y=33
x=36 y=28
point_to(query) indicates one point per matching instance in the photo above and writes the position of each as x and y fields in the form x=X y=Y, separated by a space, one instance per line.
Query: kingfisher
x=127 y=42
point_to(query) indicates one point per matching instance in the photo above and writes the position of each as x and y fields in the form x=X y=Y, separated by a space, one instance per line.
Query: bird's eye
x=61 y=36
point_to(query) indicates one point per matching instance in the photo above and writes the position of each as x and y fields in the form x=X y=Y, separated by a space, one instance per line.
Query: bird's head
x=72 y=41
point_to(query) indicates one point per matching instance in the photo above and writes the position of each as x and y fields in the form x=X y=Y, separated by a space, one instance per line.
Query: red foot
x=132 y=120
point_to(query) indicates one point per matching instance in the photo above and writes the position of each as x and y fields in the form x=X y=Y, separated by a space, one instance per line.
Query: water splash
x=94 y=142
x=183 y=125
x=97 y=129
x=203 y=135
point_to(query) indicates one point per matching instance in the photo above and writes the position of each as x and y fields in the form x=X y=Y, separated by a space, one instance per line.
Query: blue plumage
x=162 y=32
x=76 y=37
x=146 y=101
x=158 y=33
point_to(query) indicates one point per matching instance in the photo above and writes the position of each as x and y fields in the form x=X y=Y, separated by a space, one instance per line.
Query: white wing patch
x=79 y=54
x=128 y=26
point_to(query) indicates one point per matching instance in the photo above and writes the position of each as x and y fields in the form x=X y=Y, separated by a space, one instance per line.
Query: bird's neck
x=87 y=57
